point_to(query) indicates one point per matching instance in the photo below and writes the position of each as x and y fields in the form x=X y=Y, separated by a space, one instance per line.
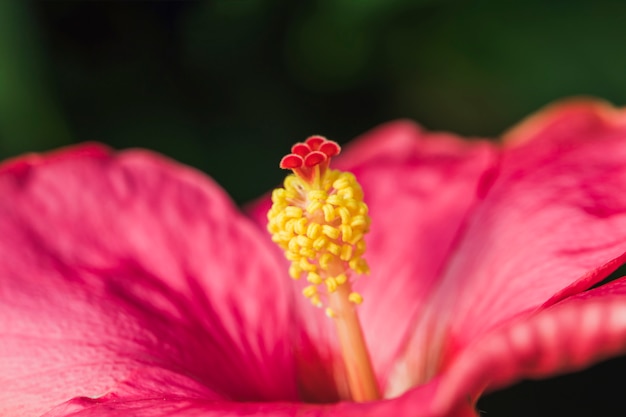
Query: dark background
x=226 y=86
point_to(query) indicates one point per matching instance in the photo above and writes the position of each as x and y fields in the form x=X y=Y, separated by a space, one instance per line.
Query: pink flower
x=131 y=285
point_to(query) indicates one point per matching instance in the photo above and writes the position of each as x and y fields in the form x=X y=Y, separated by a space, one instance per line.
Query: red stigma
x=310 y=159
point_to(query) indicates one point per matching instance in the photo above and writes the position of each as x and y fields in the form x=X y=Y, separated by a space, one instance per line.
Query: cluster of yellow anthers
x=319 y=219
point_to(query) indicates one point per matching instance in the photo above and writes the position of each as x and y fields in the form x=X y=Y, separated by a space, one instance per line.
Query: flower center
x=319 y=219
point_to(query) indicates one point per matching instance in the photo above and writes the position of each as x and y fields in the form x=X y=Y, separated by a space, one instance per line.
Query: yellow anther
x=346 y=194
x=360 y=248
x=303 y=241
x=317 y=195
x=289 y=225
x=352 y=205
x=284 y=236
x=320 y=243
x=300 y=226
x=334 y=199
x=359 y=265
x=306 y=265
x=294 y=271
x=293 y=183
x=313 y=206
x=341 y=279
x=359 y=221
x=309 y=291
x=313 y=230
x=292 y=256
x=342 y=183
x=331 y=177
x=346 y=232
x=330 y=231
x=331 y=284
x=355 y=298
x=278 y=195
x=307 y=252
x=356 y=237
x=325 y=260
x=329 y=213
x=293 y=212
x=346 y=253
x=344 y=213
x=333 y=248
x=314 y=278
x=330 y=313
x=280 y=219
x=293 y=245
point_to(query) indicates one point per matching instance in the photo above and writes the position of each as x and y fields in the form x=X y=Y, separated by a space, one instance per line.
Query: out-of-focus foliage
x=201 y=80
x=228 y=85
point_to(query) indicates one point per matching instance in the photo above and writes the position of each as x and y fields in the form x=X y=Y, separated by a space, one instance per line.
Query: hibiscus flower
x=131 y=285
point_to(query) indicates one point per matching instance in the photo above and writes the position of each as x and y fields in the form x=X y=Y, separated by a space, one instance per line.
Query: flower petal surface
x=115 y=266
x=159 y=397
x=568 y=336
x=555 y=215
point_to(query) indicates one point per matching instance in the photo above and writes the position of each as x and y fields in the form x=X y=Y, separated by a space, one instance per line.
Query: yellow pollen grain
x=353 y=206
x=358 y=221
x=329 y=213
x=292 y=256
x=356 y=238
x=344 y=213
x=300 y=226
x=293 y=212
x=314 y=230
x=330 y=231
x=293 y=245
x=306 y=265
x=313 y=206
x=309 y=253
x=325 y=260
x=320 y=243
x=346 y=232
x=334 y=199
x=289 y=225
x=314 y=278
x=317 y=195
x=346 y=253
x=309 y=291
x=355 y=298
x=346 y=194
x=330 y=312
x=341 y=279
x=333 y=248
x=295 y=271
x=341 y=183
x=304 y=241
x=331 y=284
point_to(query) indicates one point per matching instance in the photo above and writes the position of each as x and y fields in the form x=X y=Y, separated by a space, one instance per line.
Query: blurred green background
x=211 y=83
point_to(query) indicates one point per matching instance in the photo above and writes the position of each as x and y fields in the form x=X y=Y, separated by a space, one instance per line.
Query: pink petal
x=117 y=265
x=419 y=188
x=555 y=213
x=161 y=397
x=568 y=336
